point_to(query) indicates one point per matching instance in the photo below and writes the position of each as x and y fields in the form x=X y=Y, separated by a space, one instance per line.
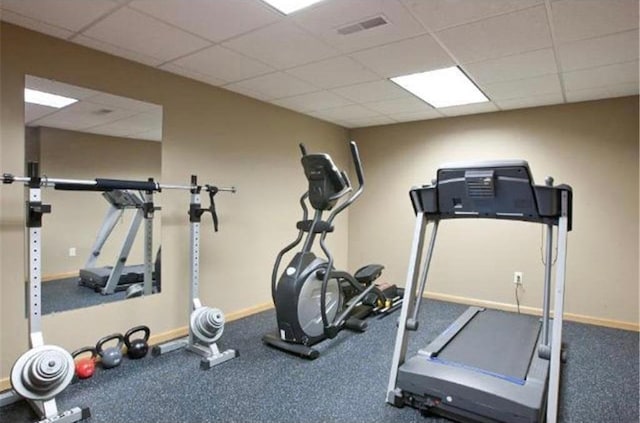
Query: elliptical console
x=313 y=300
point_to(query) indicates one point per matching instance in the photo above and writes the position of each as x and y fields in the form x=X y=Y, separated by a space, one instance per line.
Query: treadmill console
x=490 y=189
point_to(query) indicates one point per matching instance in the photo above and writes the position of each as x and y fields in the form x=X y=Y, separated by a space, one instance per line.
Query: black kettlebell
x=112 y=356
x=139 y=347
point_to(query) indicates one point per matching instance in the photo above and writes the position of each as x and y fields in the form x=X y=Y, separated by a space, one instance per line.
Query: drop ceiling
x=521 y=53
x=94 y=112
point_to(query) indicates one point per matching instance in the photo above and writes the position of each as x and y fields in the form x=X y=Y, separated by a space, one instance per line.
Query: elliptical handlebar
x=358 y=164
x=360 y=174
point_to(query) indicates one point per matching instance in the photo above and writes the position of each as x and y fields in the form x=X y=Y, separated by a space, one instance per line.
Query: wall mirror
x=92 y=242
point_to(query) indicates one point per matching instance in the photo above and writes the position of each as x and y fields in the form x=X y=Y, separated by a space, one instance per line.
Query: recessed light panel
x=290 y=6
x=47 y=99
x=442 y=87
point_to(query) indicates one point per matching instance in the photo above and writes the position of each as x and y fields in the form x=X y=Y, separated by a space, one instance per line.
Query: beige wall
x=592 y=146
x=225 y=138
x=77 y=216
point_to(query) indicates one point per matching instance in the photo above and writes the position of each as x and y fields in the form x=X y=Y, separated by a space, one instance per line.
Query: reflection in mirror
x=93 y=243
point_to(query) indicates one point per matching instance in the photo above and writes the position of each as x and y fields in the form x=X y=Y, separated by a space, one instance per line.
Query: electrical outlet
x=72 y=252
x=517 y=278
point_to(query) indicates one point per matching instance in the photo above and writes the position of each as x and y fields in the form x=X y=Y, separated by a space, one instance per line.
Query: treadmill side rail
x=434 y=348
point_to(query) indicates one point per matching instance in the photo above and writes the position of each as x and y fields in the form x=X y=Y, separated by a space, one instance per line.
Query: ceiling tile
x=370 y=121
x=282 y=45
x=275 y=85
x=33 y=112
x=545 y=84
x=125 y=103
x=370 y=92
x=530 y=101
x=509 y=68
x=576 y=20
x=413 y=116
x=222 y=63
x=81 y=115
x=130 y=29
x=153 y=135
x=188 y=73
x=343 y=113
x=468 y=109
x=609 y=91
x=329 y=15
x=499 y=36
x=610 y=49
x=404 y=57
x=311 y=102
x=33 y=24
x=57 y=87
x=621 y=73
x=116 y=50
x=236 y=88
x=440 y=14
x=139 y=123
x=401 y=105
x=333 y=73
x=69 y=14
x=215 y=20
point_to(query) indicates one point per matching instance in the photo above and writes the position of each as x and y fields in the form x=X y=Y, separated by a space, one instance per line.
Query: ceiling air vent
x=362 y=25
x=102 y=111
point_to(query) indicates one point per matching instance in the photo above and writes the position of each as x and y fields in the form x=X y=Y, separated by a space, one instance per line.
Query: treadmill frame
x=554 y=209
x=120 y=201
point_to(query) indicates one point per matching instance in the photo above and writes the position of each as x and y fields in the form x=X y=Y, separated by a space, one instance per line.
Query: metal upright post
x=400 y=348
x=35 y=246
x=125 y=249
x=547 y=286
x=556 y=342
x=194 y=263
x=412 y=323
x=547 y=283
x=109 y=222
x=148 y=243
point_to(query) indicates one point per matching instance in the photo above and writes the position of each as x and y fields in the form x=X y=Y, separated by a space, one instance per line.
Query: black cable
x=517 y=299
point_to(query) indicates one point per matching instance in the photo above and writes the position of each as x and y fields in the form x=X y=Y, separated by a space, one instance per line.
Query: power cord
x=517 y=298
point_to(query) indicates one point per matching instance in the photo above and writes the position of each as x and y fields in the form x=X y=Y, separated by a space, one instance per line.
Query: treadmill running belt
x=496 y=342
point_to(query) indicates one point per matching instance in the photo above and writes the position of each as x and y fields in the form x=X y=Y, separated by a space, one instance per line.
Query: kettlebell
x=86 y=366
x=138 y=347
x=112 y=356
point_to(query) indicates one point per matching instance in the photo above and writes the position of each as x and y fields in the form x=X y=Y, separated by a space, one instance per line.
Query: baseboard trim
x=616 y=324
x=180 y=332
x=56 y=276
x=580 y=318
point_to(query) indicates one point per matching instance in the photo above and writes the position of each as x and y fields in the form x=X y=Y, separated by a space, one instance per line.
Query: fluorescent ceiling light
x=442 y=87
x=290 y=6
x=47 y=99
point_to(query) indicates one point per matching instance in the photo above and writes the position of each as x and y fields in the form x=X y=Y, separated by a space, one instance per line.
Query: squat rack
x=41 y=385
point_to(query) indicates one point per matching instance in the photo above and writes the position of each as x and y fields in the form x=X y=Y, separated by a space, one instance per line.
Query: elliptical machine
x=313 y=300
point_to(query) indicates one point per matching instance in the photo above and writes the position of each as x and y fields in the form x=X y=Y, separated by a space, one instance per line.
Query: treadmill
x=110 y=279
x=488 y=365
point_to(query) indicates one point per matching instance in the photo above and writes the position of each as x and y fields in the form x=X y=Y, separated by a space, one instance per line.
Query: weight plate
x=42 y=372
x=207 y=324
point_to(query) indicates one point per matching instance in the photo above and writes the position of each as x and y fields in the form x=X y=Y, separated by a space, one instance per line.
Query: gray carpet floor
x=65 y=294
x=346 y=384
